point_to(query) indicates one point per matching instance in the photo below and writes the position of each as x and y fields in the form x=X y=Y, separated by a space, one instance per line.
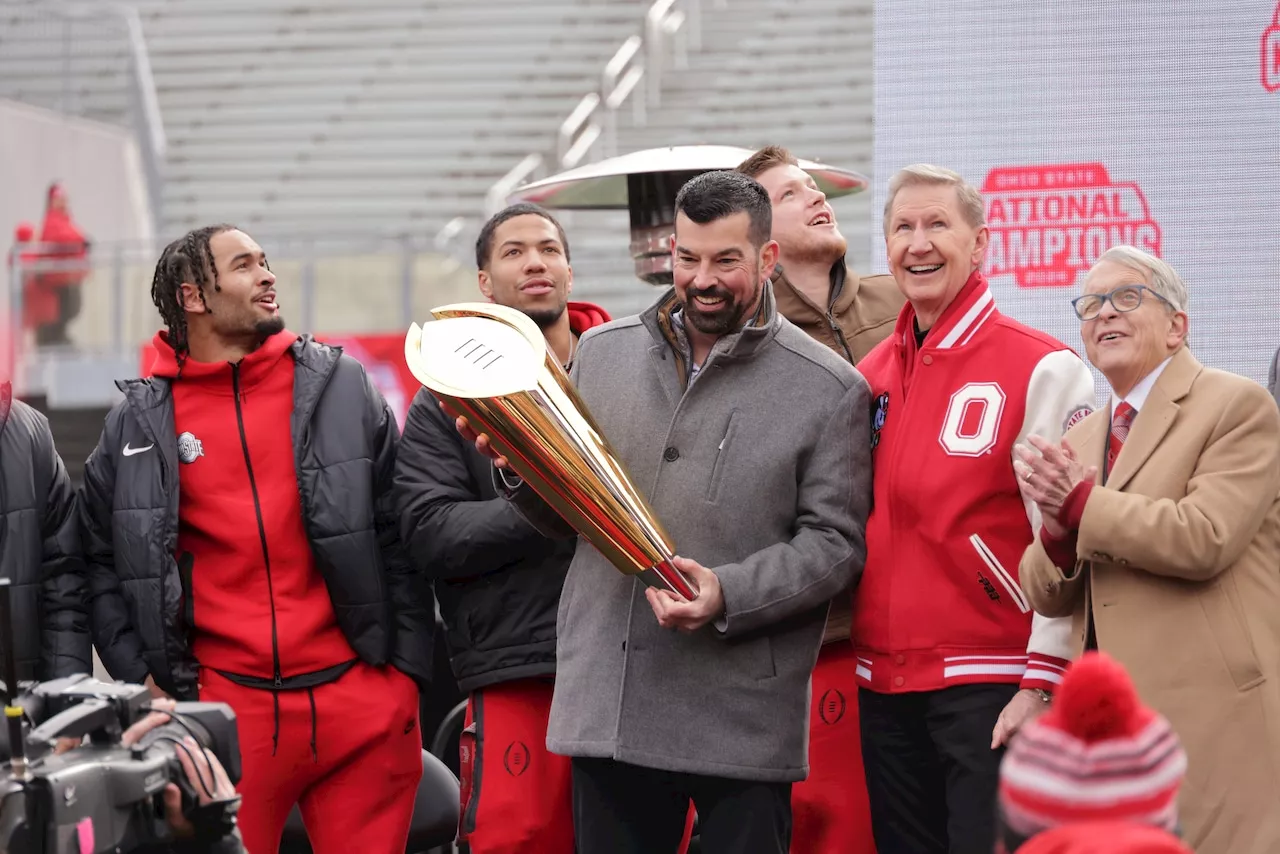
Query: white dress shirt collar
x=1137 y=396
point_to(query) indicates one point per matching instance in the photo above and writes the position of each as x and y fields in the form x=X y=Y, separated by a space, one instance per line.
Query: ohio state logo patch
x=1051 y=223
x=1270 y=72
x=1075 y=417
x=189 y=448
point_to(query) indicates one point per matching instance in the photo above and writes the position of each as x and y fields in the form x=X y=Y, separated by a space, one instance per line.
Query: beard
x=243 y=327
x=545 y=317
x=728 y=317
x=270 y=326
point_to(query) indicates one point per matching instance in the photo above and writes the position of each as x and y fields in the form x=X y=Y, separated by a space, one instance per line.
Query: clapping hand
x=1048 y=477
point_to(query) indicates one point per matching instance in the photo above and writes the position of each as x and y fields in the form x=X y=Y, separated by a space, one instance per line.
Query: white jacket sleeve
x=1060 y=393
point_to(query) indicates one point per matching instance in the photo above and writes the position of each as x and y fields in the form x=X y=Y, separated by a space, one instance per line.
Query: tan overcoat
x=1179 y=570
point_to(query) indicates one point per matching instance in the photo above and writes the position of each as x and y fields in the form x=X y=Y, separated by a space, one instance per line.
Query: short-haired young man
x=497 y=579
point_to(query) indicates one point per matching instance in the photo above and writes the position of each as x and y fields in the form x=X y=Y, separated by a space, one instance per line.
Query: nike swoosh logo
x=129 y=452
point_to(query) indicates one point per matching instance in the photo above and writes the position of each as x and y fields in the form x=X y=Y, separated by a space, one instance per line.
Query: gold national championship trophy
x=491 y=364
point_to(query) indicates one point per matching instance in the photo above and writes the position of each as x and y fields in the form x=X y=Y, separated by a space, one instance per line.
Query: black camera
x=102 y=795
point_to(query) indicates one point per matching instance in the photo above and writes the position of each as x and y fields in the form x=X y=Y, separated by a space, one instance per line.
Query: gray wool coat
x=760 y=470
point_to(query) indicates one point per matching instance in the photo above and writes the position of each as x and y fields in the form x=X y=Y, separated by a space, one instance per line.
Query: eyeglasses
x=1122 y=299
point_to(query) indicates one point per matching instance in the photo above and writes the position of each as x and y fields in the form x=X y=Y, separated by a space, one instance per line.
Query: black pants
x=625 y=809
x=931 y=773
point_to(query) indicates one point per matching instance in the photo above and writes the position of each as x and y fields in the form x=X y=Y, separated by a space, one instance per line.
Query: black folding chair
x=435 y=814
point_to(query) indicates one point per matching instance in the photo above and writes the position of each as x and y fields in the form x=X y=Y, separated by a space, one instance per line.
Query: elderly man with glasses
x=1161 y=539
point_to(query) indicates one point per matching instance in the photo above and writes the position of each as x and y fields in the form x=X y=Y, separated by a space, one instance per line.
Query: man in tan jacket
x=813 y=285
x=816 y=291
x=1162 y=539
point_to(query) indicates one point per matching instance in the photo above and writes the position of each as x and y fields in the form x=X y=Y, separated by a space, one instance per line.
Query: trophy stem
x=665 y=576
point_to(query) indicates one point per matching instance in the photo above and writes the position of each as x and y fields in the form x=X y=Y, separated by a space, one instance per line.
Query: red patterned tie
x=1120 y=422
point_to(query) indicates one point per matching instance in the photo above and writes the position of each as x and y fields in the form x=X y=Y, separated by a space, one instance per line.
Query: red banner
x=381 y=355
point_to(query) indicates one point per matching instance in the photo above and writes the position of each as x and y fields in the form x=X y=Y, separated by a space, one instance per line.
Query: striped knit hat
x=1098 y=754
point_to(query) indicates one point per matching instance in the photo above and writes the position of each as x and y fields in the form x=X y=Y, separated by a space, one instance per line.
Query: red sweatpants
x=517 y=796
x=356 y=792
x=830 y=811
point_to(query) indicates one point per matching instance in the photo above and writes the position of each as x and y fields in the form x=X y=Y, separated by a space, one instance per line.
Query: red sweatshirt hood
x=252 y=366
x=585 y=315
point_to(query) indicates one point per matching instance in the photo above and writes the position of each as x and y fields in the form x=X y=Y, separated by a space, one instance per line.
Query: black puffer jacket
x=497 y=579
x=344 y=439
x=39 y=550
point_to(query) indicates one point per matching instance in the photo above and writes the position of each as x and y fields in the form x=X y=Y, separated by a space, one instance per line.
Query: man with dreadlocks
x=242 y=547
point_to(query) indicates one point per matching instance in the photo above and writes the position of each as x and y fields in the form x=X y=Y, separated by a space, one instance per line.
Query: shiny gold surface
x=545 y=431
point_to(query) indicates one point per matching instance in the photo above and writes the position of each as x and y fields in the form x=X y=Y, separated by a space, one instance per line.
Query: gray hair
x=971 y=204
x=1160 y=276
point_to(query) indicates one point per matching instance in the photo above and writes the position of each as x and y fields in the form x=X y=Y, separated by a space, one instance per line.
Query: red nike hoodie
x=259 y=606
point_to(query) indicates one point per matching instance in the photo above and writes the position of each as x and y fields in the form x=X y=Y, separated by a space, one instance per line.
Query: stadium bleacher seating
x=390 y=118
x=754 y=82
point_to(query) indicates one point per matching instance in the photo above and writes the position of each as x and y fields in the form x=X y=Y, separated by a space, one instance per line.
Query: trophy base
x=665 y=576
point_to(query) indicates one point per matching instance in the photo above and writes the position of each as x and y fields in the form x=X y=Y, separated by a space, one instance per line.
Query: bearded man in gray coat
x=752 y=443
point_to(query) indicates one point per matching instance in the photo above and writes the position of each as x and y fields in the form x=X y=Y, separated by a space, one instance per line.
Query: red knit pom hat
x=1098 y=754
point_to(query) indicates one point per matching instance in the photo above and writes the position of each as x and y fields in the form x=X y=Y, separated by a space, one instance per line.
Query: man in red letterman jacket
x=242 y=547
x=951 y=659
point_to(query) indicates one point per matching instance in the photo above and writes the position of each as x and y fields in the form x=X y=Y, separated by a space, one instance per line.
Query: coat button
x=898 y=681
x=671 y=454
x=928 y=360
x=899 y=659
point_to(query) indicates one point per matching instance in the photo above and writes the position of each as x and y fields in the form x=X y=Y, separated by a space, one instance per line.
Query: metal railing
x=148 y=126
x=338 y=285
x=671 y=29
x=98 y=55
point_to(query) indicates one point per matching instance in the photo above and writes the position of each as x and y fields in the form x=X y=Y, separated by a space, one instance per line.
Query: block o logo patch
x=973 y=420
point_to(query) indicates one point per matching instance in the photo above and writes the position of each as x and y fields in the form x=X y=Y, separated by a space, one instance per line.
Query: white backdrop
x=1093 y=123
